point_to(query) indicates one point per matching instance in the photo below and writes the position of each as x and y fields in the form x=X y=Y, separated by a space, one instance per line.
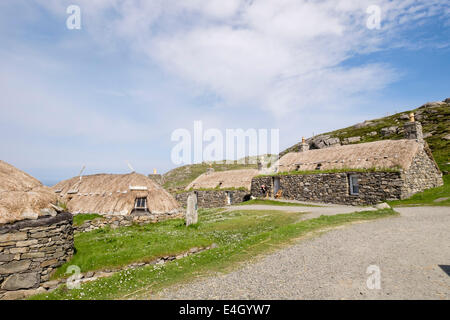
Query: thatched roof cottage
x=116 y=194
x=29 y=222
x=217 y=189
x=364 y=173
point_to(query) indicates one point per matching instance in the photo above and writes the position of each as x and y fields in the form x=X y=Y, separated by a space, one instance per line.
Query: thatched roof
x=379 y=155
x=224 y=179
x=22 y=196
x=114 y=194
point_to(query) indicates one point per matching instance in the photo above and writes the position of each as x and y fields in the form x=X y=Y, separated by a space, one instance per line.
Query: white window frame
x=140 y=199
x=351 y=179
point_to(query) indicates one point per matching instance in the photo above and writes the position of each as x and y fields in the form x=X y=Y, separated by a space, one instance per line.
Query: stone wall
x=374 y=187
x=116 y=221
x=422 y=174
x=214 y=198
x=30 y=250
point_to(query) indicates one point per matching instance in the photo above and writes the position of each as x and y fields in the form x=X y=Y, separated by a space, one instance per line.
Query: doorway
x=228 y=194
x=276 y=185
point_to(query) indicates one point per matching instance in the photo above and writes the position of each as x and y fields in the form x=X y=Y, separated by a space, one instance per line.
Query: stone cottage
x=357 y=174
x=221 y=188
x=35 y=239
x=121 y=195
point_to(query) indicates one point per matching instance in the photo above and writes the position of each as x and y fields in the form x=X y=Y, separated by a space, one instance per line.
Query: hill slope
x=435 y=119
x=434 y=116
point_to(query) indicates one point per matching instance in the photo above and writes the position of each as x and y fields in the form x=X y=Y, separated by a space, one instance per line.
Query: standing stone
x=191 y=210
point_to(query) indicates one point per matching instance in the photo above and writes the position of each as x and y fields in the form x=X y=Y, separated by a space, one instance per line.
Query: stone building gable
x=422 y=174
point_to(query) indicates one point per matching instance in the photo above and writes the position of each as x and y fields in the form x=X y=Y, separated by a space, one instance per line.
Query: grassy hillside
x=177 y=179
x=435 y=119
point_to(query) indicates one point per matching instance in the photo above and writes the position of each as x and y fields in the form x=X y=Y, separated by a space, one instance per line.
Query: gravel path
x=408 y=250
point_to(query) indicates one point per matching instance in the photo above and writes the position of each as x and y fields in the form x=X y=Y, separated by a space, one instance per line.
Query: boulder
x=21 y=281
x=383 y=205
x=353 y=139
x=323 y=141
x=388 y=131
x=404 y=116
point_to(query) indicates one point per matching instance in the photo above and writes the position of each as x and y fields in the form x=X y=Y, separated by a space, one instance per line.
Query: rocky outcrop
x=323 y=141
x=388 y=131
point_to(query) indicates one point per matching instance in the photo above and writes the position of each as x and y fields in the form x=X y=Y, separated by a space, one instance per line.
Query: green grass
x=108 y=248
x=79 y=219
x=427 y=197
x=275 y=203
x=239 y=235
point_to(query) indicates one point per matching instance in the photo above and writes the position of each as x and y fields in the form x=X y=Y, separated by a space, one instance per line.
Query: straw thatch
x=224 y=179
x=22 y=196
x=114 y=194
x=385 y=154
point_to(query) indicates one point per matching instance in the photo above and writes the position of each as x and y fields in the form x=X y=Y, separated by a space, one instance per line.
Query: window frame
x=139 y=201
x=352 y=185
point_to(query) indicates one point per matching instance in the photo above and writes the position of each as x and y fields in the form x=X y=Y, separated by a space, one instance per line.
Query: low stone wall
x=30 y=250
x=116 y=221
x=374 y=187
x=214 y=198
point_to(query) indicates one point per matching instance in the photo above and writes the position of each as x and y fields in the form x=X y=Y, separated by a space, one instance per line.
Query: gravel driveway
x=409 y=251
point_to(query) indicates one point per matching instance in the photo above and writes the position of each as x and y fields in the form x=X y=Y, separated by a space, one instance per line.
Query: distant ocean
x=49 y=182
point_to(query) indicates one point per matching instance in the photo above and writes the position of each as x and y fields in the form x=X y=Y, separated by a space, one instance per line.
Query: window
x=354 y=186
x=140 y=203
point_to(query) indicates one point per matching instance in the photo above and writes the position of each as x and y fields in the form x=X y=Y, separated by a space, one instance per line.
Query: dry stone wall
x=374 y=187
x=214 y=198
x=31 y=250
x=116 y=221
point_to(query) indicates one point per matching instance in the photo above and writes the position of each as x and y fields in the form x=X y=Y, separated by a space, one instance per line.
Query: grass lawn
x=270 y=202
x=79 y=219
x=428 y=197
x=240 y=235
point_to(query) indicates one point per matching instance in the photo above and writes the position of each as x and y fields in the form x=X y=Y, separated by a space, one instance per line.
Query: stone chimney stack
x=260 y=165
x=304 y=146
x=210 y=169
x=413 y=129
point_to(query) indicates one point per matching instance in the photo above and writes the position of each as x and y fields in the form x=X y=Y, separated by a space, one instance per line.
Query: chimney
x=413 y=129
x=304 y=146
x=210 y=169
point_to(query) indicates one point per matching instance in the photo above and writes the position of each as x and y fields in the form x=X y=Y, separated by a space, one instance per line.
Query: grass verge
x=430 y=197
x=79 y=219
x=255 y=234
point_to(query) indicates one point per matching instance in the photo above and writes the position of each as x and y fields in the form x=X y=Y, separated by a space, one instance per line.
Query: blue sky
x=115 y=90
